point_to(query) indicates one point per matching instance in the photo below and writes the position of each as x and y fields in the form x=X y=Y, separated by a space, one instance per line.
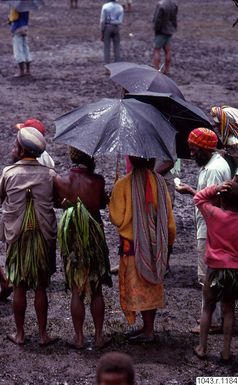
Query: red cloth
x=203 y=137
x=222 y=225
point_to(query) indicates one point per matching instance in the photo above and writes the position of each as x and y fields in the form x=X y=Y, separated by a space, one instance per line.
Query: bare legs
x=206 y=319
x=157 y=59
x=148 y=317
x=78 y=316
x=229 y=318
x=19 y=310
x=73 y=3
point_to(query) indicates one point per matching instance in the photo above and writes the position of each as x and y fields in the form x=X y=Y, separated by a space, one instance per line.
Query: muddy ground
x=68 y=72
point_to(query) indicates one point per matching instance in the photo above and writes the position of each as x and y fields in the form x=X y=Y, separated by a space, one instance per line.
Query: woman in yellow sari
x=140 y=208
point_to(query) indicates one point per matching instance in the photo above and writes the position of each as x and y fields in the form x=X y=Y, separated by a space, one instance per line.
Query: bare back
x=89 y=187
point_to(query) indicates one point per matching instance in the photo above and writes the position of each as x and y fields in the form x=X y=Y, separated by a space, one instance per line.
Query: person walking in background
x=82 y=242
x=221 y=282
x=19 y=27
x=73 y=3
x=127 y=5
x=110 y=21
x=140 y=208
x=213 y=170
x=29 y=229
x=165 y=25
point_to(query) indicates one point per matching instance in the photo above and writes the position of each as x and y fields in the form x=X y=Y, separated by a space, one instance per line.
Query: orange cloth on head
x=203 y=137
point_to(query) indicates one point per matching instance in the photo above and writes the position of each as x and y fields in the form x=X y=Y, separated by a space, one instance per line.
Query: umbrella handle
x=117 y=176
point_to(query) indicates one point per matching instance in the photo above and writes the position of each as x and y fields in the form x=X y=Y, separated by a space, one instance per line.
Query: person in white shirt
x=111 y=18
x=214 y=169
x=45 y=159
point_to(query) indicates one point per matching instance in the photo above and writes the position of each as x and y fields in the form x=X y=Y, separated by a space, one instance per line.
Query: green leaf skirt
x=84 y=250
x=28 y=258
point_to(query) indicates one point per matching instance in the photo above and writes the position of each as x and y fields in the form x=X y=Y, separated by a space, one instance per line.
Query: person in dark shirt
x=165 y=24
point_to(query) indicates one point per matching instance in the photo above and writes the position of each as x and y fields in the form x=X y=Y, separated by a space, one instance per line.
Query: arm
x=165 y=167
x=171 y=222
x=184 y=188
x=117 y=205
x=102 y=22
x=174 y=21
x=2 y=188
x=104 y=197
x=158 y=19
x=204 y=198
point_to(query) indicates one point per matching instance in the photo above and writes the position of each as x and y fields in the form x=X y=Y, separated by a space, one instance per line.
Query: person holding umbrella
x=140 y=208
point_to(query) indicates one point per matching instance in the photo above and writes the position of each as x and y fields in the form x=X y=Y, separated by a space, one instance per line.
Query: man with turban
x=226 y=126
x=29 y=229
x=44 y=158
x=213 y=170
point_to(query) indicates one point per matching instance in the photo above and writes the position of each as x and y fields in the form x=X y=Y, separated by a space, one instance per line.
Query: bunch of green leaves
x=28 y=258
x=83 y=247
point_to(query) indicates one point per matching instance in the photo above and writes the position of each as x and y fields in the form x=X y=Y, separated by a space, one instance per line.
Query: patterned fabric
x=203 y=137
x=227 y=122
x=150 y=226
x=31 y=140
x=137 y=294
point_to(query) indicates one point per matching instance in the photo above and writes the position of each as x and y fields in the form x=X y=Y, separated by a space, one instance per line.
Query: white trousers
x=21 y=49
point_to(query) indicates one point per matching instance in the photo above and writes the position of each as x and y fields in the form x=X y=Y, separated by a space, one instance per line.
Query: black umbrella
x=183 y=115
x=126 y=127
x=138 y=78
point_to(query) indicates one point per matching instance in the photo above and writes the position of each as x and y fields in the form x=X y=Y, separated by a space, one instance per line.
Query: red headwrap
x=203 y=137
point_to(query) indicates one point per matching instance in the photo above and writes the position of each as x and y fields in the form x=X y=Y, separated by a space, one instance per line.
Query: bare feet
x=46 y=340
x=101 y=342
x=200 y=352
x=133 y=333
x=16 y=339
x=5 y=292
x=225 y=357
x=76 y=343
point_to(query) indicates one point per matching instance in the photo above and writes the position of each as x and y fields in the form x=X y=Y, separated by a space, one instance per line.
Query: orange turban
x=203 y=137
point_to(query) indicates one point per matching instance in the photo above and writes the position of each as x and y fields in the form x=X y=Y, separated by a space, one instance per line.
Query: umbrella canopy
x=183 y=115
x=24 y=5
x=138 y=78
x=127 y=127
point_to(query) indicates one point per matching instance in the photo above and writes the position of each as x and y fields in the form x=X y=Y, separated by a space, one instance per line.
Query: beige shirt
x=14 y=181
x=216 y=171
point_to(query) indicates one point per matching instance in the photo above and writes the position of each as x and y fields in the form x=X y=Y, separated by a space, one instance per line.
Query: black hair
x=142 y=162
x=115 y=362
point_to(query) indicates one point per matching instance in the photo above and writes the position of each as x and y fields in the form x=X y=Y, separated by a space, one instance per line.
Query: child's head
x=229 y=199
x=115 y=369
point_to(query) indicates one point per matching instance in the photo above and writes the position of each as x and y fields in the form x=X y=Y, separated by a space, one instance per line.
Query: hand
x=184 y=188
x=225 y=186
